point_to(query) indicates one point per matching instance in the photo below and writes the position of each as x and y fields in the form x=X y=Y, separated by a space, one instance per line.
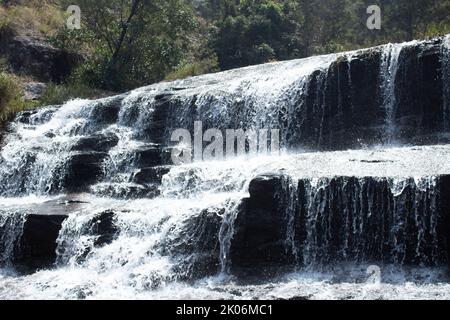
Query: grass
x=196 y=68
x=11 y=100
x=59 y=94
x=32 y=18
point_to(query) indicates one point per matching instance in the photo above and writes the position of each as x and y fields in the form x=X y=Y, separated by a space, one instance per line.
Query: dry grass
x=32 y=18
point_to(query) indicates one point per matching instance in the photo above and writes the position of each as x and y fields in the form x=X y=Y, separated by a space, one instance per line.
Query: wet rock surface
x=341 y=219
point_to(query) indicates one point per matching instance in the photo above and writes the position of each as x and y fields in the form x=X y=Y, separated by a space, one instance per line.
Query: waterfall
x=226 y=234
x=95 y=178
x=289 y=197
x=389 y=67
x=11 y=228
x=445 y=81
x=378 y=220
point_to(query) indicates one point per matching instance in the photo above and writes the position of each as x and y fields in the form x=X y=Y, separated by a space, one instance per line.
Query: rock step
x=303 y=223
x=36 y=244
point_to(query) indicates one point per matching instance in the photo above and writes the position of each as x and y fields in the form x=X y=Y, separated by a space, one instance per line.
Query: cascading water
x=372 y=221
x=11 y=228
x=120 y=221
x=389 y=67
x=445 y=82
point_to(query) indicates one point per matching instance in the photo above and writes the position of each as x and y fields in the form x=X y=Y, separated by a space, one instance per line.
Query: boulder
x=30 y=116
x=196 y=249
x=152 y=156
x=106 y=111
x=104 y=227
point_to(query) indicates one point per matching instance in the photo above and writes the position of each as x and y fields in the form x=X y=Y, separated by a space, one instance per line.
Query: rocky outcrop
x=96 y=143
x=150 y=174
x=345 y=105
x=34 y=244
x=36 y=58
x=419 y=102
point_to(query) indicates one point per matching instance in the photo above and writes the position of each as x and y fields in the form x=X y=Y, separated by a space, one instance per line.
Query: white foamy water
x=133 y=265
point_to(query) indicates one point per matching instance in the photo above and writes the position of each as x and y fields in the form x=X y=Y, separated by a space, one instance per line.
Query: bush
x=10 y=97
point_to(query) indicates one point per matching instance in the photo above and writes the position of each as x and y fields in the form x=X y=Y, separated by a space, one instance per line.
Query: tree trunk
x=123 y=33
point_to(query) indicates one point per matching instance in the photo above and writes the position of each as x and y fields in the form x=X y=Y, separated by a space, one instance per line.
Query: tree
x=259 y=31
x=136 y=42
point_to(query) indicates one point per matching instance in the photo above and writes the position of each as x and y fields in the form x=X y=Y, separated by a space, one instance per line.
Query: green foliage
x=10 y=96
x=59 y=94
x=260 y=31
x=257 y=31
x=132 y=42
x=195 y=68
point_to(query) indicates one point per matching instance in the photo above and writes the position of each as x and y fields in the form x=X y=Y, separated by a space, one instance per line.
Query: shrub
x=10 y=97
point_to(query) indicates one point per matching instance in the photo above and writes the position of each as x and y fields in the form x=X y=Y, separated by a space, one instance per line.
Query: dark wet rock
x=33 y=232
x=38 y=241
x=98 y=143
x=197 y=250
x=30 y=116
x=104 y=227
x=258 y=244
x=82 y=170
x=101 y=228
x=148 y=156
x=152 y=156
x=163 y=97
x=150 y=175
x=352 y=220
x=444 y=227
x=419 y=94
x=106 y=111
